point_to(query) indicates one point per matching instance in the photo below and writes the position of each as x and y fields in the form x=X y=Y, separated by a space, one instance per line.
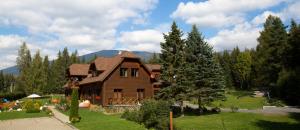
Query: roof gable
x=108 y=65
x=79 y=69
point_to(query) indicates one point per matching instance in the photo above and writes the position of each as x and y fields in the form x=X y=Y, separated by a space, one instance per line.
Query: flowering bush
x=32 y=106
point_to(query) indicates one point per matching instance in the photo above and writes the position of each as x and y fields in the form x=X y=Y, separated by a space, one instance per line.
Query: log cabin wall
x=127 y=85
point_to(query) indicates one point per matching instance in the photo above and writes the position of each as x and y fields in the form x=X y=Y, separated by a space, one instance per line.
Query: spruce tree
x=243 y=68
x=46 y=75
x=2 y=81
x=37 y=73
x=173 y=66
x=24 y=64
x=272 y=40
x=289 y=77
x=203 y=69
x=235 y=77
x=74 y=57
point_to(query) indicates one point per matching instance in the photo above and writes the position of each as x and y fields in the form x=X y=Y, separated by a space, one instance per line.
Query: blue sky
x=51 y=25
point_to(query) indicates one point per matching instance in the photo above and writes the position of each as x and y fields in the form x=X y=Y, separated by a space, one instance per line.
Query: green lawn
x=238 y=121
x=22 y=114
x=99 y=121
x=241 y=99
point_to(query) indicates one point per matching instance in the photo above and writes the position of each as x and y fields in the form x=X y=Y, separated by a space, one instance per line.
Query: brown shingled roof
x=107 y=65
x=152 y=67
x=79 y=69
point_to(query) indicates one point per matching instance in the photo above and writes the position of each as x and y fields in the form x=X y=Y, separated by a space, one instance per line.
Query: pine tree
x=235 y=77
x=289 y=77
x=243 y=68
x=24 y=65
x=154 y=59
x=203 y=69
x=46 y=75
x=173 y=62
x=225 y=62
x=37 y=73
x=269 y=52
x=2 y=87
x=74 y=57
x=59 y=74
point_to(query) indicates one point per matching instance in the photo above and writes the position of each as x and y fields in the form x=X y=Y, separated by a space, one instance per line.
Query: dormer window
x=134 y=72
x=123 y=72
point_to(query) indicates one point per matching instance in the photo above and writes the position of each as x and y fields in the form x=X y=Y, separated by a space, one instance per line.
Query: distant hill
x=105 y=53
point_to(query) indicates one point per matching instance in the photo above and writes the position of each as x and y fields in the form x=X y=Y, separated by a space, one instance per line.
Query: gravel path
x=42 y=123
x=265 y=110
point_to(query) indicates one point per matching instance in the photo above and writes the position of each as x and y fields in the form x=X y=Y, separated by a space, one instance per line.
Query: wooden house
x=120 y=80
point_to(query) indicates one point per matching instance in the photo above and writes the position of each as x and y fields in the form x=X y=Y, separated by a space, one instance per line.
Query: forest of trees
x=39 y=75
x=7 y=82
x=274 y=66
x=192 y=68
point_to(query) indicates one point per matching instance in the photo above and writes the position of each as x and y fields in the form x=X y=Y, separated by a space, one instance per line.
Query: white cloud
x=219 y=13
x=242 y=35
x=77 y=24
x=245 y=34
x=143 y=40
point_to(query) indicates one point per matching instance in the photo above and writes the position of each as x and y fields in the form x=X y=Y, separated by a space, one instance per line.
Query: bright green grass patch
x=21 y=114
x=241 y=99
x=238 y=121
x=99 y=121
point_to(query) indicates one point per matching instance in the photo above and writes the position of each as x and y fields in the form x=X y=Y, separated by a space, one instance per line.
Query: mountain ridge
x=104 y=53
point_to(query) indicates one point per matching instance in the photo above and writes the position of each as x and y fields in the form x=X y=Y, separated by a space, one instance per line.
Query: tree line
x=39 y=75
x=273 y=66
x=7 y=82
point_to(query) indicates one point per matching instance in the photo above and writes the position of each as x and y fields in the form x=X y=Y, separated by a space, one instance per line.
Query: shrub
x=192 y=111
x=132 y=116
x=216 y=110
x=234 y=108
x=176 y=111
x=74 y=116
x=49 y=112
x=275 y=102
x=32 y=106
x=12 y=96
x=153 y=114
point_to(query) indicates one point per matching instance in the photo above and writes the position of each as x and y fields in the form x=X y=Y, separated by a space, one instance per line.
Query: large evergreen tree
x=37 y=74
x=203 y=69
x=173 y=65
x=289 y=77
x=46 y=75
x=272 y=40
x=24 y=64
x=242 y=68
x=2 y=87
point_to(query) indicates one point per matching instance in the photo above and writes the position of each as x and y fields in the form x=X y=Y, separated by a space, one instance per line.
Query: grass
x=21 y=114
x=238 y=121
x=99 y=121
x=241 y=99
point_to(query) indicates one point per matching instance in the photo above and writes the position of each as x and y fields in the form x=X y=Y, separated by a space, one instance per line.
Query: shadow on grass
x=240 y=94
x=295 y=116
x=271 y=125
x=188 y=111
